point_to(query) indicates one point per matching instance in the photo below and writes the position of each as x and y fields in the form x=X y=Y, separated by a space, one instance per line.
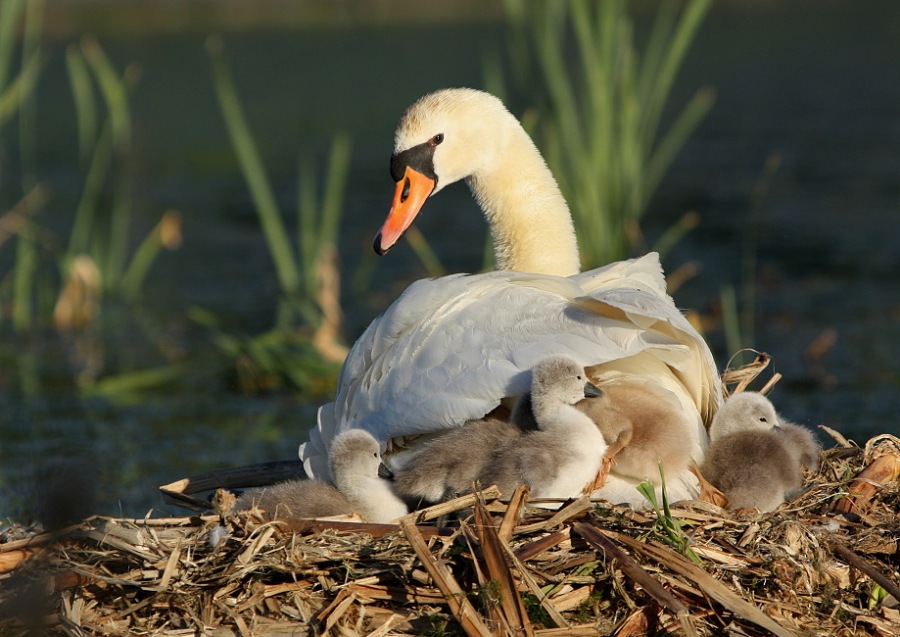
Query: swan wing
x=449 y=349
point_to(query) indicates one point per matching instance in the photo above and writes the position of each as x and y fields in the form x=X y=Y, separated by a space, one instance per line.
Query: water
x=821 y=89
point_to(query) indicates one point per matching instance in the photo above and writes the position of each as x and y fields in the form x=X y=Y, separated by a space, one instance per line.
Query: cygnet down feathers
x=449 y=464
x=641 y=429
x=355 y=460
x=563 y=456
x=753 y=460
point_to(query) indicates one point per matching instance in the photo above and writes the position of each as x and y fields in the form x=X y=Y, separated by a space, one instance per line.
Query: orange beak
x=409 y=197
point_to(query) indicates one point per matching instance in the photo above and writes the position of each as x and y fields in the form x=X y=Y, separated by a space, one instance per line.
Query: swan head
x=744 y=411
x=443 y=137
x=561 y=379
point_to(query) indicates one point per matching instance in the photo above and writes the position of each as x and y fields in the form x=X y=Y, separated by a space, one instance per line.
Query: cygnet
x=657 y=434
x=449 y=464
x=565 y=453
x=804 y=443
x=641 y=428
x=751 y=459
x=355 y=461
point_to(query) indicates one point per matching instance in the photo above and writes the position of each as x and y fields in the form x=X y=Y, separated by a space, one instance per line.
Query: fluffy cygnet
x=448 y=465
x=657 y=434
x=565 y=454
x=355 y=461
x=641 y=428
x=804 y=443
x=753 y=460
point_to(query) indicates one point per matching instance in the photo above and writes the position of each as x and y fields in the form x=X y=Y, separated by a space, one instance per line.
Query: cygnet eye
x=579 y=377
x=437 y=139
x=763 y=419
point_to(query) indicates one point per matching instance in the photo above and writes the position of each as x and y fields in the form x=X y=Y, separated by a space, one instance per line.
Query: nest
x=824 y=564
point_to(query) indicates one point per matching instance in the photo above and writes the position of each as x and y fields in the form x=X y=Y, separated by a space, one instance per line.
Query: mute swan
x=751 y=459
x=561 y=457
x=355 y=466
x=449 y=350
x=449 y=464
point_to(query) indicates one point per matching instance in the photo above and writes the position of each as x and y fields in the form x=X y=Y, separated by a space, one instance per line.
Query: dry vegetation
x=823 y=564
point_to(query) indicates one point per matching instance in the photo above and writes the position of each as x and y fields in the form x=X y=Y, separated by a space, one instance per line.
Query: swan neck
x=530 y=223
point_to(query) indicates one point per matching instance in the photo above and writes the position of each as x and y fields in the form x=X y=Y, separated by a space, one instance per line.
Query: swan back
x=407 y=374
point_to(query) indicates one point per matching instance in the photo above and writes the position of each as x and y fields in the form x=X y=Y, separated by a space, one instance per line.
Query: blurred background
x=189 y=191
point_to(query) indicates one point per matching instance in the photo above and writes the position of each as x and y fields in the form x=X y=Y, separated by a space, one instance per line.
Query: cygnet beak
x=385 y=472
x=592 y=391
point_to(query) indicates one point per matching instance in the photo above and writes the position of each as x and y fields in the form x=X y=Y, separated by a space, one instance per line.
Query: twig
x=861 y=564
x=630 y=567
x=512 y=608
x=708 y=584
x=574 y=509
x=459 y=605
x=463 y=502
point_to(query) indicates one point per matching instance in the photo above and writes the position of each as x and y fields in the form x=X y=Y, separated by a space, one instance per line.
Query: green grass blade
x=307 y=204
x=423 y=250
x=85 y=102
x=10 y=12
x=254 y=173
x=82 y=227
x=656 y=50
x=113 y=89
x=24 y=279
x=335 y=187
x=679 y=132
x=691 y=19
x=117 y=228
x=20 y=89
x=133 y=278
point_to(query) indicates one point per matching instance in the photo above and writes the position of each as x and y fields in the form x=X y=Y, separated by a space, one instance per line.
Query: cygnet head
x=443 y=137
x=354 y=453
x=561 y=379
x=744 y=411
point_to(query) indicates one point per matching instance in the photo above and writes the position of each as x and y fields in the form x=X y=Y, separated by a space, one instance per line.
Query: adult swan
x=450 y=349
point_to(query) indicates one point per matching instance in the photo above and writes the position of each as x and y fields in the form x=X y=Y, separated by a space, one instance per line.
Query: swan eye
x=405 y=194
x=437 y=139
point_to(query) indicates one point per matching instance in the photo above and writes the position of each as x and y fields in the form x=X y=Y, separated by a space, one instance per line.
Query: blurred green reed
x=739 y=305
x=303 y=347
x=598 y=108
x=101 y=230
x=98 y=241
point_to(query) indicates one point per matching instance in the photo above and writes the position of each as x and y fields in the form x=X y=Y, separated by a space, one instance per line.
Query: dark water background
x=815 y=84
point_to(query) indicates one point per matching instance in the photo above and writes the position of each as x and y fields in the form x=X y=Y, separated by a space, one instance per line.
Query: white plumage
x=450 y=349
